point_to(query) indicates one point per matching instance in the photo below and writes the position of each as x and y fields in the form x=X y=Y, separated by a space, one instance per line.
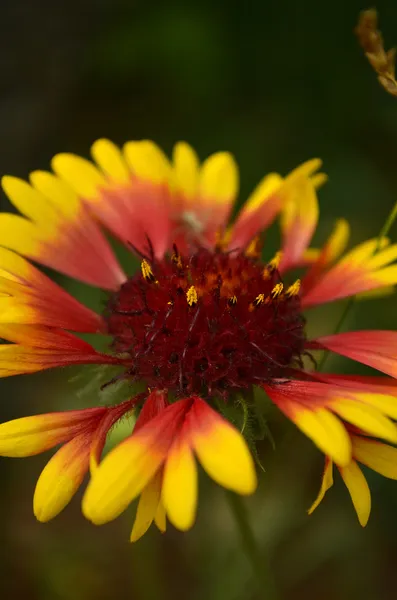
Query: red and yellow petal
x=38 y=348
x=332 y=249
x=131 y=197
x=121 y=477
x=32 y=435
x=377 y=349
x=221 y=449
x=27 y=296
x=313 y=406
x=299 y=221
x=61 y=478
x=110 y=417
x=17 y=360
x=216 y=192
x=203 y=195
x=258 y=212
x=305 y=403
x=268 y=199
x=364 y=269
x=58 y=231
x=129 y=467
x=154 y=405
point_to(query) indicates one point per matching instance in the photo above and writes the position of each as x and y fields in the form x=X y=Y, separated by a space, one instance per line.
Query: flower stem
x=257 y=559
x=391 y=217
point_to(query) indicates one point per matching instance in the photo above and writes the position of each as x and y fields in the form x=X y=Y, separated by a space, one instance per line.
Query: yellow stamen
x=253 y=250
x=275 y=262
x=272 y=265
x=191 y=296
x=176 y=259
x=277 y=290
x=259 y=300
x=232 y=301
x=147 y=272
x=294 y=289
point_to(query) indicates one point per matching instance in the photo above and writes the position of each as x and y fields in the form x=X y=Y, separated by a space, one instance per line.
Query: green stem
x=259 y=564
x=392 y=216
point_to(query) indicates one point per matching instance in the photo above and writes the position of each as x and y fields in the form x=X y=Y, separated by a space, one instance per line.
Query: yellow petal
x=304 y=170
x=31 y=435
x=311 y=255
x=365 y=417
x=382 y=258
x=57 y=193
x=337 y=241
x=110 y=160
x=29 y=201
x=219 y=178
x=84 y=178
x=222 y=450
x=61 y=478
x=379 y=457
x=358 y=490
x=265 y=189
x=120 y=478
x=361 y=253
x=147 y=162
x=387 y=276
x=326 y=483
x=179 y=493
x=160 y=518
x=186 y=169
x=326 y=431
x=384 y=403
x=319 y=179
x=19 y=234
x=147 y=508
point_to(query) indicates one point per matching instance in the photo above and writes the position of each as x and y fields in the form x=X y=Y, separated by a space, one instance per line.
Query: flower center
x=207 y=323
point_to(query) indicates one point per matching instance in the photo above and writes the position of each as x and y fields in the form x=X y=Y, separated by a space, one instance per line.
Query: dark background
x=275 y=82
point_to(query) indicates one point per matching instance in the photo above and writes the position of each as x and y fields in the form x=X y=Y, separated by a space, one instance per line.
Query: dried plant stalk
x=371 y=40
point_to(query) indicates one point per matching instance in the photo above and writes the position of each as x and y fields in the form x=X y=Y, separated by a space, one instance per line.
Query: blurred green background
x=275 y=83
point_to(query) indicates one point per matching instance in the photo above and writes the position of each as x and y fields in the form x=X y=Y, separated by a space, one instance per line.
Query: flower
x=157 y=462
x=202 y=322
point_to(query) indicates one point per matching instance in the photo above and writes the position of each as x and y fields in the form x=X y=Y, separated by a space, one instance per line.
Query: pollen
x=191 y=296
x=294 y=289
x=147 y=272
x=272 y=265
x=232 y=301
x=259 y=300
x=254 y=248
x=277 y=290
x=243 y=330
x=176 y=258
